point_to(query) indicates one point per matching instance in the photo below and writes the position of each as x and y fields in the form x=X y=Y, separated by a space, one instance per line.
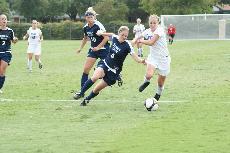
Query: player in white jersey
x=137 y=30
x=158 y=58
x=34 y=35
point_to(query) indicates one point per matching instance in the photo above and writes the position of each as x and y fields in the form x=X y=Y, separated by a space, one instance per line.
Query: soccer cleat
x=143 y=86
x=40 y=66
x=84 y=102
x=78 y=95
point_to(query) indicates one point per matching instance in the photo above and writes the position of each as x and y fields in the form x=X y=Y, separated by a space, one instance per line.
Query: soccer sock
x=84 y=78
x=2 y=80
x=158 y=92
x=39 y=61
x=91 y=95
x=139 y=51
x=146 y=80
x=30 y=64
x=86 y=86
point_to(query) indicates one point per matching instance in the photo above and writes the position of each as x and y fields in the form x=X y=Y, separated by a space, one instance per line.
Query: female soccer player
x=137 y=30
x=6 y=37
x=158 y=58
x=99 y=44
x=111 y=67
x=34 y=35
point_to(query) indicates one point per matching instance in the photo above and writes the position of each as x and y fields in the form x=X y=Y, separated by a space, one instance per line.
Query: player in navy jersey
x=99 y=44
x=6 y=37
x=112 y=65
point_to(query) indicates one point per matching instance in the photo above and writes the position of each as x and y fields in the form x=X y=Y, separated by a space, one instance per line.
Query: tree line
x=108 y=10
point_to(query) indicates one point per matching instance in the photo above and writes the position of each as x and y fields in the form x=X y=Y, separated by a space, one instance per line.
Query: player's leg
x=86 y=69
x=149 y=73
x=38 y=59
x=160 y=86
x=98 y=73
x=101 y=85
x=29 y=62
x=140 y=50
x=3 y=66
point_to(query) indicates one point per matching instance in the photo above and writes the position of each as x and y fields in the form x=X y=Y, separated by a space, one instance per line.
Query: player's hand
x=15 y=40
x=95 y=49
x=119 y=81
x=99 y=32
x=78 y=51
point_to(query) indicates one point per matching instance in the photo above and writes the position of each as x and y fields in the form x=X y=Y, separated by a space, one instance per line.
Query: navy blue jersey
x=6 y=36
x=91 y=33
x=117 y=54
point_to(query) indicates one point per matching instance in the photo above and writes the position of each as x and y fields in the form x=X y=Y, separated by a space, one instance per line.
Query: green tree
x=31 y=8
x=111 y=10
x=4 y=7
x=178 y=6
x=78 y=7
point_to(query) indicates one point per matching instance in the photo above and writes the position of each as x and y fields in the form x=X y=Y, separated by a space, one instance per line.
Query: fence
x=199 y=26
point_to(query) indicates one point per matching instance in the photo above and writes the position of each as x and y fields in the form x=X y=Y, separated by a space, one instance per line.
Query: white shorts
x=160 y=64
x=34 y=48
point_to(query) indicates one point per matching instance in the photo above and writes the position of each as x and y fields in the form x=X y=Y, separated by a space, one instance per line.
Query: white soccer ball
x=151 y=104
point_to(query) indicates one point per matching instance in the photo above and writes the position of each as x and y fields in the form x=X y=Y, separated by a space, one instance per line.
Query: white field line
x=100 y=100
x=70 y=100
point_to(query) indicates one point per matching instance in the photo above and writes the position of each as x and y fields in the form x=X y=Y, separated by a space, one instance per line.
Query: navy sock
x=157 y=97
x=84 y=78
x=86 y=86
x=2 y=80
x=91 y=95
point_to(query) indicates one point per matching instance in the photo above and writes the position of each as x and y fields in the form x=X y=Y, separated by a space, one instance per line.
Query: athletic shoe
x=143 y=86
x=78 y=95
x=84 y=102
x=40 y=65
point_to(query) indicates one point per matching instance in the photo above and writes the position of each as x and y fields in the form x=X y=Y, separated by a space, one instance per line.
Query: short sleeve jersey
x=6 y=36
x=34 y=36
x=118 y=53
x=138 y=29
x=159 y=48
x=90 y=32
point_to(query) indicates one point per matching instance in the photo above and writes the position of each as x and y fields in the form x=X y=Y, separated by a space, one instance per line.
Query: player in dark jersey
x=6 y=37
x=112 y=65
x=99 y=44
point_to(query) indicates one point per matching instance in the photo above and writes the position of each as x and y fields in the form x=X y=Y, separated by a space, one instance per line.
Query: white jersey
x=138 y=29
x=34 y=36
x=159 y=49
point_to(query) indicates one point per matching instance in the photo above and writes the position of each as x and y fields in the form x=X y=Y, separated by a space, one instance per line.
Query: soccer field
x=38 y=114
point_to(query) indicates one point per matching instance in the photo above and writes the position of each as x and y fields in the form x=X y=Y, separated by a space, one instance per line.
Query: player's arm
x=136 y=39
x=26 y=36
x=149 y=42
x=106 y=36
x=83 y=42
x=137 y=58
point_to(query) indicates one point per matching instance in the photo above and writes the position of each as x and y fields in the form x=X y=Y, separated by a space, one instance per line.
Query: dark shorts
x=172 y=35
x=102 y=53
x=6 y=57
x=110 y=78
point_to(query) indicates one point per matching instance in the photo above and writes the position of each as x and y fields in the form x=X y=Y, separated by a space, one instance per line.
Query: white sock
x=146 y=80
x=159 y=90
x=30 y=64
x=139 y=51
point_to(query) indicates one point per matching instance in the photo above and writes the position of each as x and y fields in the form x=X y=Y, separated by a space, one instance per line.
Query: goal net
x=199 y=26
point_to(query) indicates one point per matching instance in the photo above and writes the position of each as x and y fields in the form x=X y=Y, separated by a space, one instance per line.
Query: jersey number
x=93 y=39
x=3 y=43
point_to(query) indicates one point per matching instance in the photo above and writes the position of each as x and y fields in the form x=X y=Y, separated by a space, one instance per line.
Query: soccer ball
x=151 y=104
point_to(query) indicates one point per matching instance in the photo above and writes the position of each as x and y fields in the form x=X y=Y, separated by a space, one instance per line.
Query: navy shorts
x=6 y=57
x=102 y=53
x=110 y=78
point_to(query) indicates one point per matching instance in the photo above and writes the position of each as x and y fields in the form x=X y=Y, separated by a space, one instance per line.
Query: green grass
x=37 y=114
